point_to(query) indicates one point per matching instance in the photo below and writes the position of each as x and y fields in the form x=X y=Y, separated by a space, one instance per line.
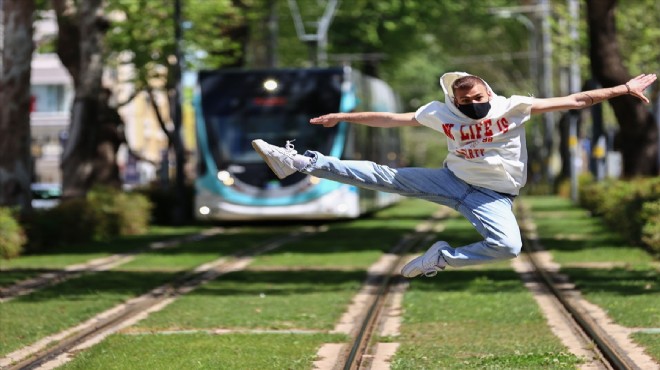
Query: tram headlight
x=314 y=180
x=226 y=178
x=270 y=84
x=204 y=210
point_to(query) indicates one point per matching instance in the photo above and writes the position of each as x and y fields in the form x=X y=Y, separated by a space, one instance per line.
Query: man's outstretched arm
x=635 y=87
x=374 y=119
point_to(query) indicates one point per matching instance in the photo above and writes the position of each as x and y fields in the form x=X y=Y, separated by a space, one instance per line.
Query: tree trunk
x=16 y=159
x=638 y=134
x=89 y=155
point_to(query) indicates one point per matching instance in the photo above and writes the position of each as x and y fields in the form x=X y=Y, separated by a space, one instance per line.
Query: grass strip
x=31 y=265
x=651 y=343
x=475 y=318
x=277 y=300
x=47 y=311
x=203 y=351
x=353 y=244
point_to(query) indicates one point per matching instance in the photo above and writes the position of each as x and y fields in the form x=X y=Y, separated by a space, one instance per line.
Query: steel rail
x=611 y=352
x=362 y=338
x=149 y=300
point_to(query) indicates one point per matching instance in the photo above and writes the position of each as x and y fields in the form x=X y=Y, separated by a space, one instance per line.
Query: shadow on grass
x=307 y=281
x=551 y=244
x=274 y=283
x=617 y=281
x=123 y=283
x=482 y=281
x=9 y=277
x=119 y=245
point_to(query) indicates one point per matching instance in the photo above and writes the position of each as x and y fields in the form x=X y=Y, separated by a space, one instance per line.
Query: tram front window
x=235 y=116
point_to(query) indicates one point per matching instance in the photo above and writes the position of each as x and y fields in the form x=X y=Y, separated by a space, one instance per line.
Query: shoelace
x=430 y=273
x=289 y=147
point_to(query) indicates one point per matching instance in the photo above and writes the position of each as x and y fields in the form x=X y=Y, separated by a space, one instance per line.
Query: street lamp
x=542 y=9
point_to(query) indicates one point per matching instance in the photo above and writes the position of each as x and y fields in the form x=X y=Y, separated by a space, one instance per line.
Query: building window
x=50 y=98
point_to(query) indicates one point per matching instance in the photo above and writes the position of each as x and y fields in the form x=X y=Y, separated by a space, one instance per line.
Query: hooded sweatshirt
x=489 y=152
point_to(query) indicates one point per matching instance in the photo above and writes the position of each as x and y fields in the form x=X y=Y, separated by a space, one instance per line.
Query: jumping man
x=484 y=171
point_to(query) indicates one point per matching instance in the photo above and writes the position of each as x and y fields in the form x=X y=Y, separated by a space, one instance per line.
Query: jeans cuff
x=314 y=157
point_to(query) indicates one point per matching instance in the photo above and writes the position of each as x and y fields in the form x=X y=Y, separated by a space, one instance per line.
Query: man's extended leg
x=490 y=212
x=414 y=182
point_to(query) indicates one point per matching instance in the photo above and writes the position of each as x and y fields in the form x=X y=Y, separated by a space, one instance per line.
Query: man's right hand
x=327 y=120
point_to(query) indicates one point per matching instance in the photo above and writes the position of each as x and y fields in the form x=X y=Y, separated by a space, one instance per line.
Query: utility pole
x=574 y=86
x=546 y=86
x=177 y=142
x=320 y=37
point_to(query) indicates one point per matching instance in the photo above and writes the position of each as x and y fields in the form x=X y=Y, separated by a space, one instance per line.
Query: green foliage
x=630 y=207
x=104 y=214
x=12 y=237
x=118 y=213
x=142 y=34
x=651 y=229
x=637 y=23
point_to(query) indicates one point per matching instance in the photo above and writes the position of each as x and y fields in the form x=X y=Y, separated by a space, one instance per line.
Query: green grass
x=574 y=236
x=203 y=351
x=28 y=318
x=262 y=300
x=481 y=317
x=630 y=297
x=476 y=319
x=62 y=256
x=651 y=343
x=10 y=277
x=352 y=244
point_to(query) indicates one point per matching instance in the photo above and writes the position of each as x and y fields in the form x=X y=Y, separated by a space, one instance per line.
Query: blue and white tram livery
x=235 y=107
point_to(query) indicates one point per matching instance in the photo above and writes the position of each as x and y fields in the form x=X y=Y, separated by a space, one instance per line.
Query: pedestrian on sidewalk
x=484 y=171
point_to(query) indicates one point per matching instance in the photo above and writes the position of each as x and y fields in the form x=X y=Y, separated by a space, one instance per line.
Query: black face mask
x=475 y=110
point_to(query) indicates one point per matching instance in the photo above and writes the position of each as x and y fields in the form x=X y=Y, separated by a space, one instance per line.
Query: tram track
x=378 y=287
x=57 y=349
x=381 y=281
x=46 y=279
x=603 y=351
x=607 y=350
x=355 y=358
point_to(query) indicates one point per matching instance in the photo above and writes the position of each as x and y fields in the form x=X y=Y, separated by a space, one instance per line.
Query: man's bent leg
x=492 y=216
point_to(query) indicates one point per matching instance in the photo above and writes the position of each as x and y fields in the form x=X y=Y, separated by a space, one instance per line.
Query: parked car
x=45 y=195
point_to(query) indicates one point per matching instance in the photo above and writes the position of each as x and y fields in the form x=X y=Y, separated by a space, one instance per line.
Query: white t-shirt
x=490 y=152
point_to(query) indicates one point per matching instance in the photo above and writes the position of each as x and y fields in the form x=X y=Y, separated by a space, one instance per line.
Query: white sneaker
x=280 y=160
x=427 y=264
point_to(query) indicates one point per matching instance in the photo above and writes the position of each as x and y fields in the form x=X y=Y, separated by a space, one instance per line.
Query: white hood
x=447 y=80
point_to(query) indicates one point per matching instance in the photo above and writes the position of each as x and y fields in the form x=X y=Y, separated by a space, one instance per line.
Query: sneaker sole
x=408 y=268
x=273 y=166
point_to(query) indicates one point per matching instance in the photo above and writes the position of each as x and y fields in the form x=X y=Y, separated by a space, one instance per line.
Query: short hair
x=467 y=82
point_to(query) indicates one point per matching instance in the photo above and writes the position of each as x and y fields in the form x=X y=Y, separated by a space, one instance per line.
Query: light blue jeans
x=490 y=212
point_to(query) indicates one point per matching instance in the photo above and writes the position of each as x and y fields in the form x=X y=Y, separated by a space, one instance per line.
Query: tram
x=234 y=107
